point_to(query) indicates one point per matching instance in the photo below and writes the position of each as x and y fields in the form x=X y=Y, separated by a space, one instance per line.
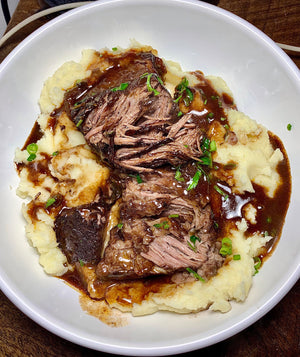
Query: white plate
x=266 y=85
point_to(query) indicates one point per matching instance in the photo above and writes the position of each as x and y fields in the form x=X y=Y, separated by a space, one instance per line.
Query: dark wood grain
x=278 y=332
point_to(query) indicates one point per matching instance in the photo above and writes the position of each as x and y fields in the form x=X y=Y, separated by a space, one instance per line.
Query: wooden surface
x=278 y=332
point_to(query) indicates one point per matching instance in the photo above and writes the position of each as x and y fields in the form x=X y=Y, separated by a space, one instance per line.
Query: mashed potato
x=77 y=174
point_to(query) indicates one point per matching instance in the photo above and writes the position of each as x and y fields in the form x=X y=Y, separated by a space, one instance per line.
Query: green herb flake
x=212 y=146
x=115 y=48
x=210 y=115
x=179 y=114
x=79 y=123
x=221 y=192
x=178 y=175
x=55 y=153
x=182 y=88
x=269 y=219
x=192 y=243
x=289 y=127
x=196 y=275
x=122 y=86
x=195 y=180
x=120 y=225
x=50 y=202
x=257 y=265
x=226 y=248
x=81 y=262
x=166 y=225
x=205 y=102
x=149 y=86
x=138 y=178
x=157 y=225
x=173 y=216
x=31 y=157
x=32 y=148
x=236 y=257
x=222 y=119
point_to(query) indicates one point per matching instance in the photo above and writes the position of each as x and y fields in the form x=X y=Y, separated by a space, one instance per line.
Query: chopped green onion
x=195 y=180
x=31 y=157
x=120 y=225
x=122 y=86
x=222 y=119
x=205 y=102
x=79 y=123
x=289 y=127
x=193 y=240
x=157 y=225
x=213 y=146
x=226 y=248
x=269 y=219
x=236 y=257
x=50 y=202
x=210 y=115
x=179 y=114
x=196 y=275
x=221 y=192
x=115 y=48
x=149 y=87
x=55 y=153
x=257 y=260
x=173 y=216
x=178 y=175
x=81 y=262
x=32 y=148
x=137 y=177
x=164 y=224
x=181 y=88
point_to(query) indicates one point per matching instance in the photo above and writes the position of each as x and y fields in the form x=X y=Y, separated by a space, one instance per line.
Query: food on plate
x=147 y=189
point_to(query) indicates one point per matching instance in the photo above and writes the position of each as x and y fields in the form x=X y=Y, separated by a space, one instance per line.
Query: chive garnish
x=79 y=123
x=55 y=153
x=164 y=225
x=180 y=89
x=137 y=177
x=50 y=202
x=289 y=127
x=122 y=86
x=192 y=243
x=178 y=175
x=257 y=260
x=226 y=248
x=236 y=257
x=212 y=146
x=196 y=275
x=173 y=216
x=120 y=225
x=32 y=150
x=81 y=262
x=221 y=192
x=115 y=48
x=195 y=180
x=31 y=157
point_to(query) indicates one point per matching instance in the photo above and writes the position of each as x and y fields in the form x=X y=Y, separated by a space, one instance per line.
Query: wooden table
x=278 y=332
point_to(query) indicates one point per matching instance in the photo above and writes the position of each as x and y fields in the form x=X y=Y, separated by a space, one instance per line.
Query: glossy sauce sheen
x=270 y=211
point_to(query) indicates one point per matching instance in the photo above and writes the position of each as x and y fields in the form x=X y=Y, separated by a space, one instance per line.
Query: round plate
x=266 y=86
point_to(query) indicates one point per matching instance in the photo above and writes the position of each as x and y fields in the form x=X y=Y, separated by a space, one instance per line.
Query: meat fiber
x=157 y=226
